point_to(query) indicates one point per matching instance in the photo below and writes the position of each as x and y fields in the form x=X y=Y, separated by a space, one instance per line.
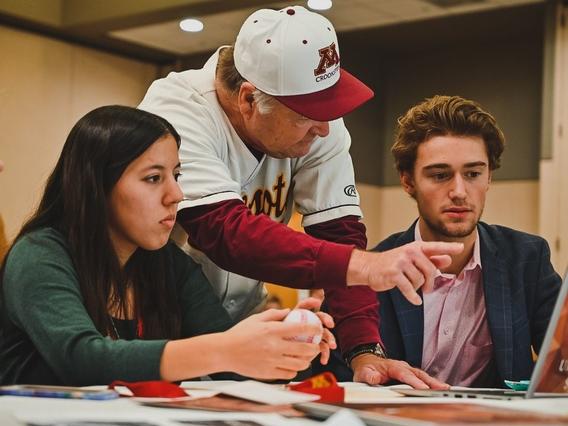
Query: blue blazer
x=520 y=287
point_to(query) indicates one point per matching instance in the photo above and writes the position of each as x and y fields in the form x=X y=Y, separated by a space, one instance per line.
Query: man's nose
x=458 y=187
x=320 y=128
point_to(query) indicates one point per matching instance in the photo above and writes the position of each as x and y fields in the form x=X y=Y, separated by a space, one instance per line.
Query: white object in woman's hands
x=307 y=317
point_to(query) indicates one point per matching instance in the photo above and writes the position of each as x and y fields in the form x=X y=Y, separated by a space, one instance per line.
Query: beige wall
x=553 y=200
x=45 y=87
x=388 y=210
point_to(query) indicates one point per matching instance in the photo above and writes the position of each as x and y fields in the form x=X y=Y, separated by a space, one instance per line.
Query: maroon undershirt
x=260 y=248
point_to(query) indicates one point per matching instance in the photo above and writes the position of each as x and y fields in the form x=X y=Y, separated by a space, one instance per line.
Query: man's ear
x=245 y=100
x=407 y=182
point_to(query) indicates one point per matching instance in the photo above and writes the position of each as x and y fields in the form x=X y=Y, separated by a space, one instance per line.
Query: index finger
x=407 y=290
x=432 y=382
x=434 y=248
x=406 y=375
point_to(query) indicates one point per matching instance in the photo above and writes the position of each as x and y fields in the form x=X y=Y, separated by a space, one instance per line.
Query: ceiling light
x=191 y=25
x=319 y=4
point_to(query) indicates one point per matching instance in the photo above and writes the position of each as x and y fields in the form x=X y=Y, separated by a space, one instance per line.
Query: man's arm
x=257 y=247
x=260 y=248
x=354 y=309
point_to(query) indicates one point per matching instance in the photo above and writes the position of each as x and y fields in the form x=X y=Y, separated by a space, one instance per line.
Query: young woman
x=92 y=291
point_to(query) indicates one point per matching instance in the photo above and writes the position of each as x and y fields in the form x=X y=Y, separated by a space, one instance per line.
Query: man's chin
x=449 y=230
x=297 y=154
x=303 y=149
x=457 y=231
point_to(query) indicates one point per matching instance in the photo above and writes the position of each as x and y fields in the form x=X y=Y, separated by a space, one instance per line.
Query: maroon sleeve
x=260 y=248
x=355 y=309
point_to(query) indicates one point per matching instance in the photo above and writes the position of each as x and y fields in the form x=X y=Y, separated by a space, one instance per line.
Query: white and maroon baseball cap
x=293 y=55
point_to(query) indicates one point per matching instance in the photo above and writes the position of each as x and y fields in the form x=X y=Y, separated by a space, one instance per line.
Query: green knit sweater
x=47 y=336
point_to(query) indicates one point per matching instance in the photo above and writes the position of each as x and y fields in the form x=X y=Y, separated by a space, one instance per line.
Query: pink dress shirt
x=457 y=343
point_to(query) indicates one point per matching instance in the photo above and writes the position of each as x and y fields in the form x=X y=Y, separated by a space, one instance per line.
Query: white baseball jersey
x=217 y=166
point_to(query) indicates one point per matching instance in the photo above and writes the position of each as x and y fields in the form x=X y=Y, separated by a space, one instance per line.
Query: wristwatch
x=367 y=348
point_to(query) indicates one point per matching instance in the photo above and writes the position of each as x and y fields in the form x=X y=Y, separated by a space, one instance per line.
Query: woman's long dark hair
x=75 y=202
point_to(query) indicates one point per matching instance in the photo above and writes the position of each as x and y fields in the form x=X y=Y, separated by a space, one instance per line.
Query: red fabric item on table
x=325 y=385
x=152 y=389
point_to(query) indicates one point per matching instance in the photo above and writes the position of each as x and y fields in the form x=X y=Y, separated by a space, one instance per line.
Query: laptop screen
x=551 y=370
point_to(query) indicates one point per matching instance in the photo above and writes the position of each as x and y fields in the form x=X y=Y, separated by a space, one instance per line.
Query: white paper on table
x=7 y=419
x=344 y=418
x=265 y=394
x=369 y=394
x=55 y=410
x=206 y=384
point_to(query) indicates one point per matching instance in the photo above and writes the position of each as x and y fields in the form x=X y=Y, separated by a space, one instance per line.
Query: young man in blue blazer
x=490 y=308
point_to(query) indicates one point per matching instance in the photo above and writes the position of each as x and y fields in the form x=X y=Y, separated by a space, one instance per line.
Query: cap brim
x=332 y=103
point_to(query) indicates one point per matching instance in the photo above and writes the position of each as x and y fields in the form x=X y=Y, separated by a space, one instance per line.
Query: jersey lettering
x=271 y=202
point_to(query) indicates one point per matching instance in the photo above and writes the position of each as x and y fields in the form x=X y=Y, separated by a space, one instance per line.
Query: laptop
x=550 y=375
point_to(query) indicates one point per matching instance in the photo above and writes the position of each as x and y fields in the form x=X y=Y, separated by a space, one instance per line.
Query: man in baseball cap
x=262 y=135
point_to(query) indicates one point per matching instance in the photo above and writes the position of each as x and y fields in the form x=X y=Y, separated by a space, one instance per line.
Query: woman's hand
x=328 y=340
x=262 y=346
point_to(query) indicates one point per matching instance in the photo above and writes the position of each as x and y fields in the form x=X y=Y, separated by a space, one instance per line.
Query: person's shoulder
x=185 y=93
x=189 y=102
x=39 y=243
x=512 y=242
x=195 y=80
x=44 y=246
x=182 y=83
x=39 y=256
x=504 y=234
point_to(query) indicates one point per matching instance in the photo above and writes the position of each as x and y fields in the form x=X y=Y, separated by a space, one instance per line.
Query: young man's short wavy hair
x=442 y=116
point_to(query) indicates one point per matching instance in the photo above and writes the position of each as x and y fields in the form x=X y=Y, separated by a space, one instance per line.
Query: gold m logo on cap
x=328 y=58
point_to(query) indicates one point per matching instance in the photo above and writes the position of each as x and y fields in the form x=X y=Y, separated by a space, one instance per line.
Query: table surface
x=46 y=410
